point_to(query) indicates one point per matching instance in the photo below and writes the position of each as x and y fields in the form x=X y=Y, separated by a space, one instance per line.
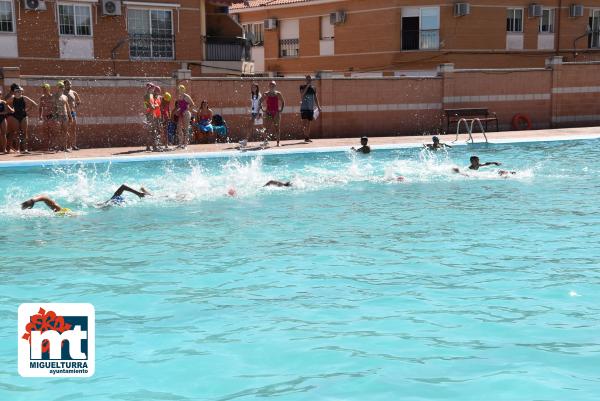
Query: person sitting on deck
x=436 y=144
x=364 y=148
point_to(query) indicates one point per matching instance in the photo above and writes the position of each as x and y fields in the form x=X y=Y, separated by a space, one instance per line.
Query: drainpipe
x=203 y=27
x=557 y=51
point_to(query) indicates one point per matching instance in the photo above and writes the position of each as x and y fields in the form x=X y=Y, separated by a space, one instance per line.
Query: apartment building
x=399 y=36
x=119 y=37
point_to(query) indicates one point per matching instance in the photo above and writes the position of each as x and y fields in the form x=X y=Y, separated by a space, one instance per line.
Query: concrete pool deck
x=290 y=146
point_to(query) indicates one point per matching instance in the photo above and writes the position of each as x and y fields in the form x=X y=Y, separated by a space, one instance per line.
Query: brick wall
x=561 y=95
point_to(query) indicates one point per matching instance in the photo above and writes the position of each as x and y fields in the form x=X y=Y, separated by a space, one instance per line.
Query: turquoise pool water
x=348 y=286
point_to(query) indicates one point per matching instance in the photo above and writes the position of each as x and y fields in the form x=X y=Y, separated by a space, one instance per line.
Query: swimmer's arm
x=124 y=188
x=190 y=100
x=282 y=101
x=317 y=101
x=260 y=103
x=69 y=111
x=7 y=109
x=55 y=207
x=30 y=101
x=446 y=145
x=77 y=98
x=490 y=164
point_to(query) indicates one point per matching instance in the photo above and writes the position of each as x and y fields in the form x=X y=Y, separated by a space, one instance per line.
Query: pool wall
x=561 y=95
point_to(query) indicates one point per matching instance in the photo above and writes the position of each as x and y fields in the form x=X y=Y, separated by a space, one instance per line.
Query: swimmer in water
x=275 y=183
x=436 y=144
x=475 y=165
x=118 y=199
x=51 y=203
x=364 y=148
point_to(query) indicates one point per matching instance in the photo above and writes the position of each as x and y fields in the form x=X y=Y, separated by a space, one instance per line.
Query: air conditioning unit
x=462 y=9
x=111 y=7
x=35 y=5
x=535 y=10
x=576 y=10
x=338 y=17
x=270 y=24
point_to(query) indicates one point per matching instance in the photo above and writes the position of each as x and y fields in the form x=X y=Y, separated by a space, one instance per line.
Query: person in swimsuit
x=74 y=103
x=255 y=114
x=117 y=198
x=436 y=144
x=154 y=139
x=21 y=105
x=45 y=115
x=149 y=106
x=183 y=112
x=476 y=164
x=308 y=101
x=274 y=107
x=61 y=114
x=205 y=115
x=5 y=110
x=168 y=125
x=51 y=203
x=365 y=148
x=275 y=183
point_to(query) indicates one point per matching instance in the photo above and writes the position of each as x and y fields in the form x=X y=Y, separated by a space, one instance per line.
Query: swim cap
x=157 y=88
x=149 y=85
x=365 y=138
x=13 y=87
x=181 y=88
x=435 y=138
x=60 y=84
x=46 y=86
x=167 y=96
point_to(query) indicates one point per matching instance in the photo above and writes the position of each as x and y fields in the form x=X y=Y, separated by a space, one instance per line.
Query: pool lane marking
x=269 y=151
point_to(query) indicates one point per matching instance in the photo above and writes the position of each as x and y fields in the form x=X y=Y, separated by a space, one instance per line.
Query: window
x=289 y=42
x=547 y=21
x=327 y=29
x=594 y=38
x=150 y=34
x=514 y=20
x=255 y=33
x=6 y=16
x=421 y=28
x=74 y=20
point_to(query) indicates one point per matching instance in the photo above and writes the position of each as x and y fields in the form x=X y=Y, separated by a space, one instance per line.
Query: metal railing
x=146 y=46
x=426 y=39
x=220 y=48
x=289 y=48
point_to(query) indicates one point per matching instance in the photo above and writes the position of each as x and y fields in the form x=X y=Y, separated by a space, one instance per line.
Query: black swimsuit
x=19 y=106
x=2 y=116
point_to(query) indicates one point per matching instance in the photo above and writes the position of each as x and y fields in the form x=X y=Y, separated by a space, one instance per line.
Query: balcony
x=428 y=39
x=289 y=48
x=151 y=47
x=220 y=48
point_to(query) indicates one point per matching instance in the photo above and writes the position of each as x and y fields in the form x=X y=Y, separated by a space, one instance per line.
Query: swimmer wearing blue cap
x=436 y=144
x=364 y=148
x=118 y=199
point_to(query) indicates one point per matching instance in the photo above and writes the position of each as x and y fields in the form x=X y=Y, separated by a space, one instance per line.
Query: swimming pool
x=348 y=286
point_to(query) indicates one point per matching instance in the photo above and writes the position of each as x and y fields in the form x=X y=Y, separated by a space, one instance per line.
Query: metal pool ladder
x=469 y=122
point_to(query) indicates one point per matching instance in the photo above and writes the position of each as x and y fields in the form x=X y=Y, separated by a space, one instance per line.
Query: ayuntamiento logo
x=56 y=340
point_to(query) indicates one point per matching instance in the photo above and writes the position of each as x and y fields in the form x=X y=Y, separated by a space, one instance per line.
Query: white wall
x=8 y=46
x=76 y=48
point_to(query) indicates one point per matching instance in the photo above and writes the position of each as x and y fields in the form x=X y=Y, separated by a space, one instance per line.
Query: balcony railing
x=146 y=46
x=427 y=39
x=289 y=48
x=227 y=49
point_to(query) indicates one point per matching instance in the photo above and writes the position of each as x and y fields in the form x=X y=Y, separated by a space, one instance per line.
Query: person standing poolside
x=21 y=105
x=154 y=139
x=308 y=101
x=365 y=148
x=165 y=118
x=149 y=106
x=255 y=114
x=436 y=144
x=5 y=110
x=184 y=115
x=61 y=115
x=45 y=114
x=275 y=105
x=74 y=103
